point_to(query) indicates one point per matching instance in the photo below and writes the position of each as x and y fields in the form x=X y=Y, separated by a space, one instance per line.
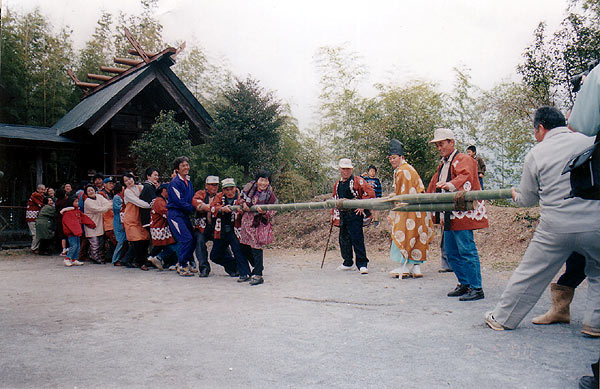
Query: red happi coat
x=202 y=219
x=236 y=216
x=34 y=205
x=159 y=229
x=463 y=175
x=361 y=190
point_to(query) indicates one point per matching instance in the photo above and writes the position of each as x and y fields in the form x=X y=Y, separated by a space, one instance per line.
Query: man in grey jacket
x=566 y=225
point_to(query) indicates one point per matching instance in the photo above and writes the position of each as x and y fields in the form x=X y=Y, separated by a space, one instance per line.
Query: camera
x=577 y=80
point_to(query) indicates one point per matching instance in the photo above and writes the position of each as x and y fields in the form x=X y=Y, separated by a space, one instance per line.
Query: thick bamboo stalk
x=437 y=202
x=431 y=207
x=449 y=197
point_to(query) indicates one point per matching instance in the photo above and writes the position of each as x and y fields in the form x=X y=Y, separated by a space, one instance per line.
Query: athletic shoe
x=256 y=280
x=67 y=262
x=364 y=270
x=344 y=267
x=156 y=262
x=64 y=252
x=492 y=323
x=76 y=263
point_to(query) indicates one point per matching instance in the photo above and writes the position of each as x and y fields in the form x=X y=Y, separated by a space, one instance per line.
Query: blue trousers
x=182 y=231
x=73 y=252
x=463 y=257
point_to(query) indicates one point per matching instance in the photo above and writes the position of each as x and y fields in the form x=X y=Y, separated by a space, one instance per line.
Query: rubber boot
x=559 y=311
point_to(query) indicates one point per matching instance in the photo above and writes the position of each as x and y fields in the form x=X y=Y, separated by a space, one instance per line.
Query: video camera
x=577 y=80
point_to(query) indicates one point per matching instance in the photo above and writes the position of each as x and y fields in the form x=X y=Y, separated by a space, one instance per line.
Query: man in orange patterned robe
x=411 y=231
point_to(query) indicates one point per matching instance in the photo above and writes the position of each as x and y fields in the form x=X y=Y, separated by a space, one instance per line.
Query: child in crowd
x=72 y=220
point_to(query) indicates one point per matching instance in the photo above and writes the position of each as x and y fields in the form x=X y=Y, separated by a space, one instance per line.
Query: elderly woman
x=137 y=235
x=45 y=226
x=411 y=231
x=256 y=229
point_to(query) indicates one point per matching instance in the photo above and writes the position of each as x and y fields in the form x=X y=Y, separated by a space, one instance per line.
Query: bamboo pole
x=402 y=203
x=431 y=207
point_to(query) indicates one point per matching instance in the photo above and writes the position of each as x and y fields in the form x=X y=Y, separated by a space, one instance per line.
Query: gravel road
x=100 y=326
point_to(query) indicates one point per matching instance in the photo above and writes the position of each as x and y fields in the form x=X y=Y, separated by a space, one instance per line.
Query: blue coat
x=180 y=196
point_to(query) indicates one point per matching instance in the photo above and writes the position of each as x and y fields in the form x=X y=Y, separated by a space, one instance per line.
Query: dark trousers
x=255 y=258
x=137 y=253
x=223 y=258
x=220 y=246
x=351 y=237
x=109 y=245
x=575 y=271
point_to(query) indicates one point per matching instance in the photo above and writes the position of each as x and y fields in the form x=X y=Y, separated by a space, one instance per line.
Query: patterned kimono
x=411 y=231
x=159 y=229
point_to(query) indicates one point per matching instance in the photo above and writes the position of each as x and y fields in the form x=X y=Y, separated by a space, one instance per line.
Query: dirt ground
x=99 y=326
x=501 y=246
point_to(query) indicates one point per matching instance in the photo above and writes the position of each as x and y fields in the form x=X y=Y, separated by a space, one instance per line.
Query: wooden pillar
x=113 y=138
x=39 y=168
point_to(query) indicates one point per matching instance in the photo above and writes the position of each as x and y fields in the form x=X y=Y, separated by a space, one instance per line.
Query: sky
x=275 y=41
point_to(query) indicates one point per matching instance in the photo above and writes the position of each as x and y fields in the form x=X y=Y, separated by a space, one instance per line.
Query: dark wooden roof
x=43 y=134
x=105 y=101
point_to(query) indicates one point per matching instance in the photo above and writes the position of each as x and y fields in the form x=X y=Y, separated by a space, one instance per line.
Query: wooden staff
x=327 y=245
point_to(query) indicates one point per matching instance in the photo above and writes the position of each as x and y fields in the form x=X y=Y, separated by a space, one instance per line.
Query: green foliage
x=98 y=51
x=246 y=130
x=34 y=64
x=207 y=79
x=158 y=147
x=145 y=28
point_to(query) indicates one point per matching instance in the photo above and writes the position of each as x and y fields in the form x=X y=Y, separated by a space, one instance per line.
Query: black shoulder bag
x=585 y=172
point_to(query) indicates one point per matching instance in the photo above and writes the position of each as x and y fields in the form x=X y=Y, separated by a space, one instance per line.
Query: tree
x=34 y=64
x=205 y=78
x=247 y=124
x=166 y=140
x=98 y=51
x=145 y=28
x=341 y=72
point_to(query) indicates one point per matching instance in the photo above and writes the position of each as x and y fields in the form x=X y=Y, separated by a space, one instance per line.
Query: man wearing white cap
x=458 y=172
x=350 y=221
x=204 y=230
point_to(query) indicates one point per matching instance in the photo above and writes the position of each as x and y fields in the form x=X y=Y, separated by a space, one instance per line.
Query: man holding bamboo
x=350 y=221
x=458 y=172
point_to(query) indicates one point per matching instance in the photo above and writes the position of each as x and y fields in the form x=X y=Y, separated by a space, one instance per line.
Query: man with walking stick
x=350 y=221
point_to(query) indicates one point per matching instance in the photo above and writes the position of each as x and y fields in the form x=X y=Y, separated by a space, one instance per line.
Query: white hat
x=345 y=163
x=227 y=183
x=441 y=134
x=212 y=180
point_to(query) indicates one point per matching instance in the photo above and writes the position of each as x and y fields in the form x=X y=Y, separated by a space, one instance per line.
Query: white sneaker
x=364 y=270
x=156 y=262
x=173 y=267
x=344 y=267
x=64 y=252
x=76 y=263
x=67 y=262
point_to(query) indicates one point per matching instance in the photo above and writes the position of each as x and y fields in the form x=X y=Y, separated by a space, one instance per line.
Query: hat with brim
x=441 y=134
x=228 y=183
x=109 y=179
x=212 y=180
x=345 y=163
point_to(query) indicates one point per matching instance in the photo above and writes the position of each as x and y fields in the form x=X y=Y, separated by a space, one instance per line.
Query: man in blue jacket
x=179 y=206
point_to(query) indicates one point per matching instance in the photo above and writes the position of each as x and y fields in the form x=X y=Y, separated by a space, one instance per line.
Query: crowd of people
x=153 y=224
x=109 y=220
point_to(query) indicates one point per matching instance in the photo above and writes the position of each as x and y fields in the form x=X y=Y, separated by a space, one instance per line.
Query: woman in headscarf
x=256 y=229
